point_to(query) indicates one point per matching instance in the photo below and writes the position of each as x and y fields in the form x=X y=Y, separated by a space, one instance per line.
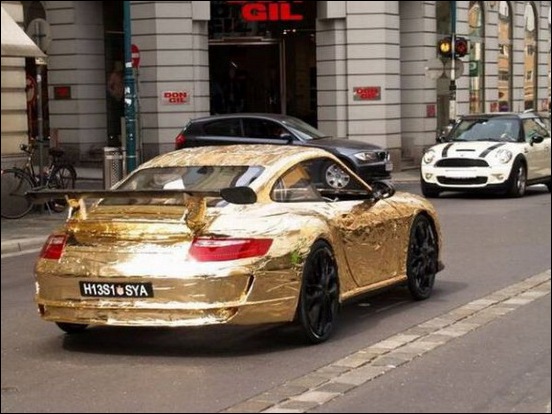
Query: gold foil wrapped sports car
x=232 y=235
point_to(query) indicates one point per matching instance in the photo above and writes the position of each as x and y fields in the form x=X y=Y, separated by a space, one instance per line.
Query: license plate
x=460 y=174
x=389 y=167
x=115 y=290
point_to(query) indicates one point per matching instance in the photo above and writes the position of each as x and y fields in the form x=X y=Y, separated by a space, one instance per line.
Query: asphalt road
x=502 y=364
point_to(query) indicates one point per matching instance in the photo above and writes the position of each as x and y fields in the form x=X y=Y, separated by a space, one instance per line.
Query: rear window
x=195 y=178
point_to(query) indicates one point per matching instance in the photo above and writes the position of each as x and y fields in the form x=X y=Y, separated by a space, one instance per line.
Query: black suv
x=369 y=161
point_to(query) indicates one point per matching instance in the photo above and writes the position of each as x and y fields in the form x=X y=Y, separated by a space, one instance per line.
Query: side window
x=226 y=127
x=532 y=128
x=261 y=128
x=295 y=185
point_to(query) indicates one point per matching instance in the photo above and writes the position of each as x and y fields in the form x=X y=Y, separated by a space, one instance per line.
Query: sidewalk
x=30 y=232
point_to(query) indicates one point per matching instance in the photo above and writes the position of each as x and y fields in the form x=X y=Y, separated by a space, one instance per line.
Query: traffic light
x=444 y=47
x=461 y=47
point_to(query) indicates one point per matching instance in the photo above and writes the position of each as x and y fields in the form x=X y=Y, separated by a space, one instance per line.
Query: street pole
x=452 y=87
x=130 y=93
x=39 y=64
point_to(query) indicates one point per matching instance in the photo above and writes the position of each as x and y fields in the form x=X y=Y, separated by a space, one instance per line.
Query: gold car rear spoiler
x=195 y=202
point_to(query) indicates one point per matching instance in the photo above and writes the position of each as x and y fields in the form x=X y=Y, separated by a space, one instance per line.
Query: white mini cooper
x=501 y=152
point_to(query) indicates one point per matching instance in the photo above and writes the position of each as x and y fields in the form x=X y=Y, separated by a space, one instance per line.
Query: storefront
x=353 y=69
x=262 y=58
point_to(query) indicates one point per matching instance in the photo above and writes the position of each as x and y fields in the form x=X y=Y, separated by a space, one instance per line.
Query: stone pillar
x=76 y=59
x=173 y=42
x=359 y=47
x=418 y=41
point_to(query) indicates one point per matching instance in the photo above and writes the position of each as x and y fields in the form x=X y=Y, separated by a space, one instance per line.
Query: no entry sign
x=135 y=55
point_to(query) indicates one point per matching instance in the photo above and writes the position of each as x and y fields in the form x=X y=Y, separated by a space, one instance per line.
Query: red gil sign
x=367 y=93
x=175 y=97
x=262 y=11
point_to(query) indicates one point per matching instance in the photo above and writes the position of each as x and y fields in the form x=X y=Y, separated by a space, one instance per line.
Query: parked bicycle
x=16 y=182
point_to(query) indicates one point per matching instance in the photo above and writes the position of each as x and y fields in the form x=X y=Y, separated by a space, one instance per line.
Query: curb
x=16 y=246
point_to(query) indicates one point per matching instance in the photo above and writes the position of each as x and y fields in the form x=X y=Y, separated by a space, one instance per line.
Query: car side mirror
x=286 y=136
x=537 y=139
x=440 y=139
x=239 y=195
x=382 y=189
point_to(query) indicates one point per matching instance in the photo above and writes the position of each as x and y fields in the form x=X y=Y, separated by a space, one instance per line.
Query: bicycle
x=16 y=182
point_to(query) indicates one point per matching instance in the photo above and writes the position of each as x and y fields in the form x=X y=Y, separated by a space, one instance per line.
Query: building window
x=505 y=68
x=477 y=58
x=530 y=64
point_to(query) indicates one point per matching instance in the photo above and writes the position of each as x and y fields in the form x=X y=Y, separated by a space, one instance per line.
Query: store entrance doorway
x=246 y=77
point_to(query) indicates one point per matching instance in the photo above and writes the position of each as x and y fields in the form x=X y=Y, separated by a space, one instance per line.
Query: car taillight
x=53 y=248
x=218 y=250
x=180 y=141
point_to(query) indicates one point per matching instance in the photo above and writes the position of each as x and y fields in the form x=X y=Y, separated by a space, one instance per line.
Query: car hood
x=479 y=149
x=344 y=146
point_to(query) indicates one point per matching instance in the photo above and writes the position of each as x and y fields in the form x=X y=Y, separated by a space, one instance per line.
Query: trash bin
x=114 y=165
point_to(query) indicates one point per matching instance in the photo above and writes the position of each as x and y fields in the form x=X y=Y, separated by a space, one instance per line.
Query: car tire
x=549 y=185
x=318 y=306
x=422 y=261
x=333 y=176
x=71 y=328
x=517 y=182
x=429 y=190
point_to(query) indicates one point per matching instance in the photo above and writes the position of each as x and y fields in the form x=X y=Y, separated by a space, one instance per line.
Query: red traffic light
x=461 y=47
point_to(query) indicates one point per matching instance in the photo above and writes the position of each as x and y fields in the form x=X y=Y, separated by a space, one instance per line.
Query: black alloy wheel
x=517 y=183
x=319 y=300
x=422 y=258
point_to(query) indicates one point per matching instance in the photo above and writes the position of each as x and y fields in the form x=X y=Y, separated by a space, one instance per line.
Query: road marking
x=339 y=377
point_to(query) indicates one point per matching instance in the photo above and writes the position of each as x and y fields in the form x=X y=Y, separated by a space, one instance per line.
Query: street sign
x=39 y=31
x=434 y=68
x=135 y=55
x=454 y=69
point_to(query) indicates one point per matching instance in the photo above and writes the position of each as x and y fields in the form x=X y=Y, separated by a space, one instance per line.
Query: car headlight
x=504 y=156
x=366 y=156
x=428 y=157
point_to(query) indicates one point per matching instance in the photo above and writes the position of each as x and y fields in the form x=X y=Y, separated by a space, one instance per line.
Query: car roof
x=274 y=117
x=522 y=115
x=264 y=155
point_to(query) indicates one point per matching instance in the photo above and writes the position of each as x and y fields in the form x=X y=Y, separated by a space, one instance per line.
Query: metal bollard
x=114 y=166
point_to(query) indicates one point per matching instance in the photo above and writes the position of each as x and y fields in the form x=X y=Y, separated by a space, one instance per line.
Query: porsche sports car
x=237 y=234
x=498 y=152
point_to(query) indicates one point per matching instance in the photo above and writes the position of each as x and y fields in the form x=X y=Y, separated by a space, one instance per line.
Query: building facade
x=362 y=70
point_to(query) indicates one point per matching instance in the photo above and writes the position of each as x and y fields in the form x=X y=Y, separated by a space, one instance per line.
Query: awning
x=15 y=42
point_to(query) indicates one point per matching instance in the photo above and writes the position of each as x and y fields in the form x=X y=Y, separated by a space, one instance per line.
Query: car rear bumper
x=237 y=299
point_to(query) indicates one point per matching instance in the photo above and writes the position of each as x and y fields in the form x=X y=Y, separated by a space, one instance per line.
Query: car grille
x=462 y=181
x=461 y=162
x=382 y=155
